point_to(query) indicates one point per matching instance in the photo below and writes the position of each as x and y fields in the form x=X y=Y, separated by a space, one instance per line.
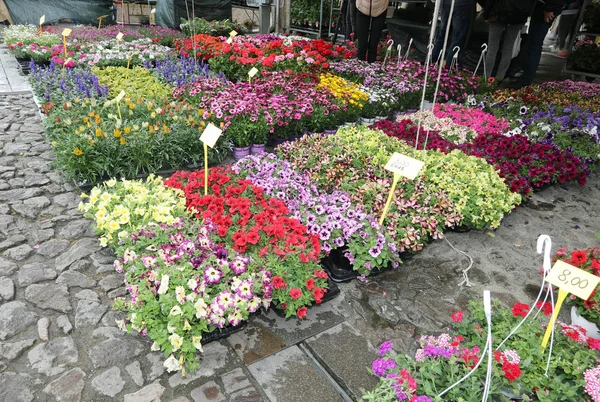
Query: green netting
x=170 y=12
x=81 y=11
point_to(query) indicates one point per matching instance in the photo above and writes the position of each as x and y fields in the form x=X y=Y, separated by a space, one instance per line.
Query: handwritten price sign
x=120 y=36
x=210 y=135
x=404 y=165
x=573 y=280
x=67 y=32
x=252 y=72
x=42 y=19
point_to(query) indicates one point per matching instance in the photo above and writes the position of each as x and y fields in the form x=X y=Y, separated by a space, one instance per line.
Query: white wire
x=488 y=377
x=485 y=349
x=465 y=280
x=552 y=333
x=408 y=49
x=437 y=86
x=482 y=59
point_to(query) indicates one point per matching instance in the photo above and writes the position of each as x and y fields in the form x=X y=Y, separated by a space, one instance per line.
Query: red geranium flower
x=457 y=316
x=520 y=309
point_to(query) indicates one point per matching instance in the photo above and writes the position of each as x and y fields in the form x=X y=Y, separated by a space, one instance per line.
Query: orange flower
x=122 y=140
x=127 y=130
x=117 y=133
x=98 y=132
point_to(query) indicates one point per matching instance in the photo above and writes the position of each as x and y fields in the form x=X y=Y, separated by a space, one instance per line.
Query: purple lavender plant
x=180 y=70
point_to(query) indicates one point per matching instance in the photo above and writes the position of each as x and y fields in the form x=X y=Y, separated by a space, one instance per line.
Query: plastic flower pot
x=239 y=153
x=330 y=132
x=378 y=118
x=367 y=120
x=590 y=327
x=257 y=149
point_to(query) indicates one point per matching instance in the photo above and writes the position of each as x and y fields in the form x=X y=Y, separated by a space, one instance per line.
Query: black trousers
x=368 y=34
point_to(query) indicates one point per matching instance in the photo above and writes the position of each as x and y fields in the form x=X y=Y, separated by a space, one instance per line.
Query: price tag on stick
x=400 y=165
x=404 y=165
x=232 y=34
x=100 y=20
x=118 y=99
x=209 y=138
x=66 y=32
x=569 y=279
x=252 y=73
x=42 y=20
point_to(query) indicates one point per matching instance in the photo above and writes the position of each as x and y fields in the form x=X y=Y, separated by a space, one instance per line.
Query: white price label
x=404 y=165
x=42 y=19
x=573 y=280
x=120 y=96
x=67 y=32
x=210 y=135
x=232 y=34
x=120 y=36
x=252 y=72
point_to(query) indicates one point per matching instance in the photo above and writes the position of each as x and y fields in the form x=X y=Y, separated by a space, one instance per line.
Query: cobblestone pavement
x=58 y=335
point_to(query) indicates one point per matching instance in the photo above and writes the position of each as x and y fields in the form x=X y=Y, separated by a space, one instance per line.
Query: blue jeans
x=459 y=28
x=538 y=29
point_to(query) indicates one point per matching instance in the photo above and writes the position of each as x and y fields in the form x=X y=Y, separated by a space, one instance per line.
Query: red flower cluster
x=406 y=130
x=457 y=316
x=205 y=46
x=546 y=307
x=520 y=309
x=259 y=225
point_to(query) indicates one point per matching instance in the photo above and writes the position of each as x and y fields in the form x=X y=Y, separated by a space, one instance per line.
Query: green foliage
x=197 y=26
x=137 y=81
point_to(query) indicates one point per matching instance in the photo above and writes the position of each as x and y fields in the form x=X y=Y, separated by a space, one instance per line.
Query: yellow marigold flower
x=122 y=141
x=77 y=152
x=127 y=130
x=117 y=133
x=98 y=132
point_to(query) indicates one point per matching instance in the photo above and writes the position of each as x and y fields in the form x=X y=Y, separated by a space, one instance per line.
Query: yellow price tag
x=42 y=19
x=573 y=280
x=67 y=32
x=232 y=34
x=404 y=165
x=120 y=96
x=120 y=36
x=210 y=135
x=252 y=72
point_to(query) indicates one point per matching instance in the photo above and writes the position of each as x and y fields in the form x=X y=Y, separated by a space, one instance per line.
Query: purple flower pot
x=330 y=132
x=257 y=149
x=239 y=153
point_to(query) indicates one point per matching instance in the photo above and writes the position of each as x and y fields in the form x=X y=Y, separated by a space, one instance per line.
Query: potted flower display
x=259 y=136
x=241 y=131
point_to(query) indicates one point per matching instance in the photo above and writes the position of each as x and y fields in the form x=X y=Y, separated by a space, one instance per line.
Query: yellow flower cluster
x=342 y=89
x=122 y=207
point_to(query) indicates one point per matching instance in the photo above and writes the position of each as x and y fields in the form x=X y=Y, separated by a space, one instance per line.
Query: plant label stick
x=42 y=20
x=118 y=99
x=128 y=63
x=209 y=138
x=400 y=165
x=119 y=37
x=252 y=73
x=569 y=279
x=66 y=32
x=100 y=20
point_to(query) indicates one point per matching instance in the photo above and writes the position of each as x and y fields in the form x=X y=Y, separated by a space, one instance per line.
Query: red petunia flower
x=301 y=312
x=578 y=257
x=295 y=293
x=310 y=284
x=279 y=283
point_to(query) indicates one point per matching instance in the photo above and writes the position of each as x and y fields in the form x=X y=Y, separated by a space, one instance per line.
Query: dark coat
x=508 y=11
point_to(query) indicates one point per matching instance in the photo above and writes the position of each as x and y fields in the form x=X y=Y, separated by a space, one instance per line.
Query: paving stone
x=112 y=282
x=156 y=366
x=34 y=273
x=67 y=200
x=235 y=380
x=118 y=292
x=12 y=241
x=290 y=373
x=15 y=318
x=110 y=318
x=80 y=265
x=16 y=387
x=36 y=180
x=76 y=279
x=7 y=288
x=351 y=369
x=88 y=294
x=51 y=357
x=15 y=148
x=53 y=296
x=20 y=194
x=209 y=392
x=76 y=229
x=37 y=202
x=53 y=247
x=42 y=326
x=114 y=351
x=103 y=268
x=79 y=250
x=18 y=253
x=109 y=382
x=135 y=371
x=62 y=322
x=41 y=235
x=7 y=267
x=88 y=313
x=67 y=387
x=246 y=395
x=11 y=351
x=180 y=399
x=4 y=209
x=215 y=361
x=150 y=393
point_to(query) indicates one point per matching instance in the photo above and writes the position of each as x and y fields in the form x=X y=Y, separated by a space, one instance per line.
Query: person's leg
x=441 y=32
x=362 y=34
x=495 y=36
x=510 y=36
x=460 y=28
x=564 y=27
x=377 y=24
x=537 y=33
